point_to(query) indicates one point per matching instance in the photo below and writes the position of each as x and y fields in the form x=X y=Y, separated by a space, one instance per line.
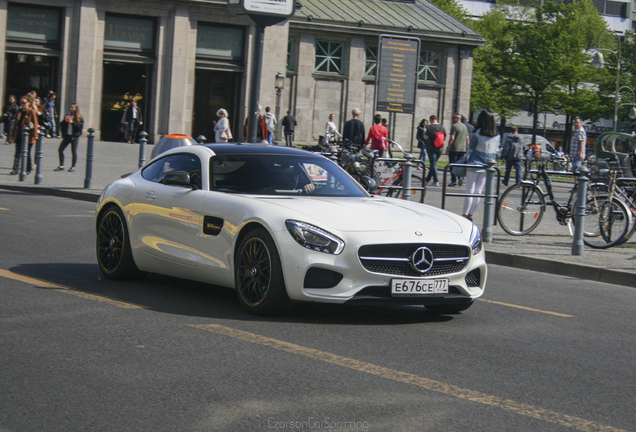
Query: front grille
x=395 y=259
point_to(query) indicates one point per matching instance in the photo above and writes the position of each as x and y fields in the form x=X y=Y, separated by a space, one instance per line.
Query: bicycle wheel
x=607 y=223
x=520 y=209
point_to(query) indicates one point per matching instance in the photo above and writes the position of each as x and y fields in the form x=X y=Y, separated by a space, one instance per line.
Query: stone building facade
x=183 y=60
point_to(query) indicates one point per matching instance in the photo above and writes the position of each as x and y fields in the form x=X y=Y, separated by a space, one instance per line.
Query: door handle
x=150 y=195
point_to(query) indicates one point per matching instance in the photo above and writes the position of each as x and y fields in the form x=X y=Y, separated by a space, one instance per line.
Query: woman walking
x=71 y=128
x=483 y=146
x=26 y=117
x=222 y=127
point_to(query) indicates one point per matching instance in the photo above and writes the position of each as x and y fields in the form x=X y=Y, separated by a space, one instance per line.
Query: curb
x=563 y=269
x=63 y=193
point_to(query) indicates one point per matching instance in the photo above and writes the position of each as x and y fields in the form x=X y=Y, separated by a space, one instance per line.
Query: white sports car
x=283 y=225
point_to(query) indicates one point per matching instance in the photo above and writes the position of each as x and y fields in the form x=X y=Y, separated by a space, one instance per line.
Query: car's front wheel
x=258 y=275
x=113 y=247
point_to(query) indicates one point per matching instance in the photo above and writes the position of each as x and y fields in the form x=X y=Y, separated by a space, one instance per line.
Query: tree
x=539 y=55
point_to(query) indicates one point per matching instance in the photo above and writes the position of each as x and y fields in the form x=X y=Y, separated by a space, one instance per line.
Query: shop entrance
x=26 y=72
x=123 y=83
x=214 y=90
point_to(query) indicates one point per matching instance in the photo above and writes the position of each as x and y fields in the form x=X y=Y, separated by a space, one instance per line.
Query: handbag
x=459 y=171
x=226 y=134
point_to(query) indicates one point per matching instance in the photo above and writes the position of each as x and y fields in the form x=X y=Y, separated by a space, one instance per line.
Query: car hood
x=368 y=214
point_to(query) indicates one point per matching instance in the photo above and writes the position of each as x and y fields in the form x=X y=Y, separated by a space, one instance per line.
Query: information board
x=396 y=77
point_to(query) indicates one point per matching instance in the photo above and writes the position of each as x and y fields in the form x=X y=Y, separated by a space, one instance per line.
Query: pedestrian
x=435 y=135
x=421 y=143
x=51 y=110
x=577 y=145
x=25 y=118
x=471 y=128
x=9 y=112
x=222 y=131
x=483 y=146
x=385 y=123
x=261 y=127
x=512 y=154
x=133 y=119
x=377 y=135
x=353 y=132
x=289 y=126
x=457 y=145
x=270 y=121
x=43 y=116
x=331 y=130
x=71 y=128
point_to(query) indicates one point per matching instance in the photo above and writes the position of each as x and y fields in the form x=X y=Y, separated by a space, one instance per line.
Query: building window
x=329 y=57
x=290 y=54
x=371 y=60
x=429 y=68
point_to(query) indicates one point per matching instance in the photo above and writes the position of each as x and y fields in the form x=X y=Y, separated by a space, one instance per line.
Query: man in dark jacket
x=354 y=131
x=9 y=112
x=133 y=120
x=289 y=125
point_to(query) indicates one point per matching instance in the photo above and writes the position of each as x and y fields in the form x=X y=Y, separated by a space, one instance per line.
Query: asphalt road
x=79 y=352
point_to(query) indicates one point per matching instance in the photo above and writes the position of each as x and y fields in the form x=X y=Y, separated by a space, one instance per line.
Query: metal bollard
x=406 y=177
x=142 y=148
x=201 y=139
x=89 y=159
x=489 y=202
x=579 y=218
x=38 y=156
x=24 y=153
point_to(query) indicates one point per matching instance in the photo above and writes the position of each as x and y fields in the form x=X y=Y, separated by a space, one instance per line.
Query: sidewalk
x=547 y=249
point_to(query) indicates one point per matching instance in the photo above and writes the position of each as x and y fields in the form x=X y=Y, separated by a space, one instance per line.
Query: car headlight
x=314 y=238
x=475 y=240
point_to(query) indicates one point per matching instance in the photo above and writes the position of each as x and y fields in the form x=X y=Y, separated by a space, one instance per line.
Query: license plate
x=419 y=286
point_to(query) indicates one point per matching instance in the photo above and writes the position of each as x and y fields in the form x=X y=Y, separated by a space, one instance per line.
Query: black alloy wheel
x=114 y=254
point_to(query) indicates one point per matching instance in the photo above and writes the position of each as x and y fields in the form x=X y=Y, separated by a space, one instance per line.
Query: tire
x=607 y=223
x=258 y=275
x=446 y=309
x=521 y=208
x=114 y=254
x=416 y=194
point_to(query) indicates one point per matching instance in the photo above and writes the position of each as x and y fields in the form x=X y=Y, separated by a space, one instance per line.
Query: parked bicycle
x=522 y=206
x=392 y=185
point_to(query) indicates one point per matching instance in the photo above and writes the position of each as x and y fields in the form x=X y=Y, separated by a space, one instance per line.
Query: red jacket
x=377 y=136
x=263 y=128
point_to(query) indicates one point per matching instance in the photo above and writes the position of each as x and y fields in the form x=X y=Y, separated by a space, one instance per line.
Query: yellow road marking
x=2 y=208
x=68 y=290
x=527 y=308
x=415 y=380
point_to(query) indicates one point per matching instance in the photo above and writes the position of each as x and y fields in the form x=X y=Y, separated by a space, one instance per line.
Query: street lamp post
x=279 y=84
x=598 y=61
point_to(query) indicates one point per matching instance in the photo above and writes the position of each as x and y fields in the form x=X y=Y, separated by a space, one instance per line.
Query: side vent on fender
x=212 y=225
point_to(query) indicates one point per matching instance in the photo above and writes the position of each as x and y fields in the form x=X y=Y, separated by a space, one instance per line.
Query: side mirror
x=176 y=178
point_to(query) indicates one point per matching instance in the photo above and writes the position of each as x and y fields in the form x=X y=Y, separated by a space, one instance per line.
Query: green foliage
x=455 y=9
x=539 y=55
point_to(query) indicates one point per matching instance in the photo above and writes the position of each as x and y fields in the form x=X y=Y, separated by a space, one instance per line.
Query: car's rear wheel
x=114 y=254
x=259 y=278
x=450 y=308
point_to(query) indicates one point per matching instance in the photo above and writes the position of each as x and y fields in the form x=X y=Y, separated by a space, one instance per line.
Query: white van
x=547 y=149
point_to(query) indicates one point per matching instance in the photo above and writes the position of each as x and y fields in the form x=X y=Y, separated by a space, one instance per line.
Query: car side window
x=183 y=162
x=152 y=171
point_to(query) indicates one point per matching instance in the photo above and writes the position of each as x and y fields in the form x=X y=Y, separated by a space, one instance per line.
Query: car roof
x=246 y=148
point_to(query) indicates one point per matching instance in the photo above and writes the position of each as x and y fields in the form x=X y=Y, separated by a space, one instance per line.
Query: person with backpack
x=378 y=135
x=512 y=153
x=435 y=135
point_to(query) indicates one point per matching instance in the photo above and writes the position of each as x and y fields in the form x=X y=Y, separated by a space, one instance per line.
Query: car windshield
x=274 y=174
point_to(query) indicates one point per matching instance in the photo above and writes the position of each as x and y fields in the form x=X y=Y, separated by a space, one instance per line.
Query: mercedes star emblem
x=422 y=259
